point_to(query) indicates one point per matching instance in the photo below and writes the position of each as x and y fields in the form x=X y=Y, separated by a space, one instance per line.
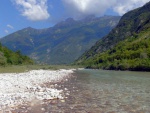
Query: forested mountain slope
x=8 y=57
x=126 y=47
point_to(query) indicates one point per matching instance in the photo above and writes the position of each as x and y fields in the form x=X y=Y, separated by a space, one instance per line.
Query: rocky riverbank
x=18 y=89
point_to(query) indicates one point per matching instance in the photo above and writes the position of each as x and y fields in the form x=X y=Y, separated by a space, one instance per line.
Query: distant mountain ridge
x=126 y=47
x=64 y=42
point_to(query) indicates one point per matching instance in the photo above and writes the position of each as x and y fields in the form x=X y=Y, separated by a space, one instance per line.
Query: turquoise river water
x=100 y=91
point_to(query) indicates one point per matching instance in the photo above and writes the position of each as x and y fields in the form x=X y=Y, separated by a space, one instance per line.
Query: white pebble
x=16 y=89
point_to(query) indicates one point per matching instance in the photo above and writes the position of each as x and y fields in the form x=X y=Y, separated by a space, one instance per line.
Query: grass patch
x=24 y=68
x=13 y=69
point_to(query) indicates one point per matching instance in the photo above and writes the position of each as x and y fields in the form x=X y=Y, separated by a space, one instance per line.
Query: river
x=100 y=91
x=113 y=91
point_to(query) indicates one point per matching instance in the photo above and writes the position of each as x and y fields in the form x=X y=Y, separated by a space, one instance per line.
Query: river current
x=99 y=91
x=113 y=91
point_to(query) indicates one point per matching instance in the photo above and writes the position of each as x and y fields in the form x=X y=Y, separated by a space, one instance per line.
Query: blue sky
x=18 y=14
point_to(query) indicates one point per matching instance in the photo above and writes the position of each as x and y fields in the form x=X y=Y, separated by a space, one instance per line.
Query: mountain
x=62 y=43
x=126 y=47
x=8 y=57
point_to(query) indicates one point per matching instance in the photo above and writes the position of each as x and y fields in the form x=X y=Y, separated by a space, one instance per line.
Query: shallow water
x=98 y=91
x=113 y=91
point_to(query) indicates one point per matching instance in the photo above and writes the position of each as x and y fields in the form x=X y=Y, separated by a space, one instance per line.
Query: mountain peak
x=62 y=43
x=28 y=28
x=90 y=17
x=69 y=20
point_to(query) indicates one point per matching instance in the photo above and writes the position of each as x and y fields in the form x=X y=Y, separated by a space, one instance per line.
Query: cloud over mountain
x=123 y=6
x=99 y=7
x=87 y=7
x=34 y=10
x=37 y=10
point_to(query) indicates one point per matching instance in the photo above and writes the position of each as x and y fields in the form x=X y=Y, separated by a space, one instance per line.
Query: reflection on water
x=98 y=91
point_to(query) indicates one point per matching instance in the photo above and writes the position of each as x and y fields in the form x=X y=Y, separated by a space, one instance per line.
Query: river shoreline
x=94 y=91
x=18 y=89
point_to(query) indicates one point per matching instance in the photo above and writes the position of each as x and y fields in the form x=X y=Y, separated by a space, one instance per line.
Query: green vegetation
x=126 y=47
x=131 y=23
x=24 y=68
x=131 y=54
x=8 y=57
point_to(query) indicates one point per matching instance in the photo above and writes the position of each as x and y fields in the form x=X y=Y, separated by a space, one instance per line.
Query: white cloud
x=87 y=7
x=123 y=6
x=99 y=7
x=10 y=26
x=34 y=10
x=6 y=31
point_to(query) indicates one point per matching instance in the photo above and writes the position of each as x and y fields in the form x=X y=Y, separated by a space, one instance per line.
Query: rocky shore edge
x=23 y=88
